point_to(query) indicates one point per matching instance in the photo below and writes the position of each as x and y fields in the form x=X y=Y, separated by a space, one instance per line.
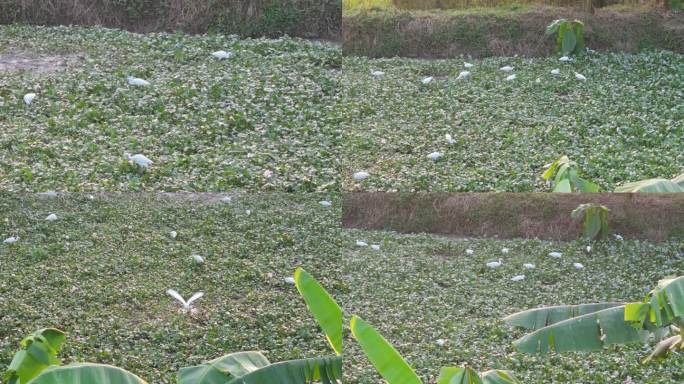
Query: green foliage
x=594 y=220
x=654 y=185
x=569 y=35
x=86 y=373
x=601 y=325
x=38 y=352
x=565 y=175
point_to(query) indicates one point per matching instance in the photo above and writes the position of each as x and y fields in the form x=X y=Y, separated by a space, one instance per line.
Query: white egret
x=588 y=248
x=428 y=80
x=377 y=73
x=538 y=80
x=518 y=278
x=376 y=247
x=361 y=243
x=51 y=217
x=139 y=159
x=248 y=212
x=289 y=280
x=564 y=59
x=505 y=250
x=222 y=55
x=556 y=255
x=198 y=259
x=511 y=77
x=186 y=304
x=435 y=155
x=580 y=77
x=618 y=237
x=11 y=240
x=227 y=199
x=463 y=75
x=28 y=98
x=325 y=203
x=449 y=139
x=137 y=81
x=578 y=265
x=529 y=266
x=494 y=264
x=361 y=175
x=468 y=65
x=555 y=72
x=173 y=234
x=470 y=252
x=441 y=342
x=507 y=68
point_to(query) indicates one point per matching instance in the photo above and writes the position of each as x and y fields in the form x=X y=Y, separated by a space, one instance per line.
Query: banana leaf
x=39 y=351
x=324 y=308
x=569 y=41
x=534 y=319
x=679 y=180
x=651 y=185
x=499 y=376
x=86 y=373
x=326 y=370
x=578 y=27
x=588 y=332
x=222 y=369
x=386 y=360
x=662 y=306
x=458 y=375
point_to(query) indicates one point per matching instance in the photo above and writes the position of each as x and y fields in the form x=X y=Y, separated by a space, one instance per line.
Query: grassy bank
x=503 y=31
x=101 y=270
x=303 y=18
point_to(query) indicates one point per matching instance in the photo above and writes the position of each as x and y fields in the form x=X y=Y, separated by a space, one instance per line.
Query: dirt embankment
x=452 y=34
x=652 y=216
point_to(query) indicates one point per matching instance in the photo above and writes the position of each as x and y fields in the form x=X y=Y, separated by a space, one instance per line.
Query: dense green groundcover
x=101 y=270
x=207 y=124
x=625 y=123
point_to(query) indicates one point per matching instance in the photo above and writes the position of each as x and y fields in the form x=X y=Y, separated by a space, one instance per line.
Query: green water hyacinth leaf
x=588 y=332
x=39 y=351
x=653 y=185
x=324 y=370
x=86 y=373
x=222 y=369
x=537 y=318
x=324 y=308
x=386 y=360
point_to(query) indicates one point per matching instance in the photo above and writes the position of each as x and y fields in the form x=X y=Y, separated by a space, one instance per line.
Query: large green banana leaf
x=663 y=305
x=86 y=373
x=324 y=308
x=386 y=360
x=679 y=180
x=460 y=375
x=222 y=369
x=326 y=370
x=39 y=351
x=498 y=376
x=651 y=185
x=588 y=332
x=538 y=318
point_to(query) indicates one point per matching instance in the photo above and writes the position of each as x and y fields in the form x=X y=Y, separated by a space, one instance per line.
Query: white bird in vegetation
x=435 y=155
x=470 y=252
x=186 y=304
x=467 y=65
x=518 y=278
x=557 y=255
x=580 y=77
x=377 y=73
x=463 y=75
x=376 y=247
x=222 y=55
x=578 y=265
x=538 y=80
x=441 y=342
x=504 y=250
x=511 y=77
x=268 y=173
x=449 y=139
x=289 y=280
x=173 y=234
x=555 y=72
x=139 y=159
x=361 y=175
x=564 y=58
x=227 y=199
x=28 y=98
x=529 y=266
x=137 y=81
x=325 y=203
x=507 y=68
x=494 y=264
x=248 y=212
x=618 y=237
x=11 y=240
x=588 y=248
x=51 y=217
x=198 y=259
x=361 y=243
x=428 y=80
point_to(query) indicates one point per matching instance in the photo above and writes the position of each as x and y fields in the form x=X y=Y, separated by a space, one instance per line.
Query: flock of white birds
x=434 y=156
x=499 y=262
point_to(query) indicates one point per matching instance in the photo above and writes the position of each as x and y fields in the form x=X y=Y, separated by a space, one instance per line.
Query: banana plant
x=590 y=327
x=385 y=358
x=654 y=185
x=594 y=220
x=565 y=175
x=569 y=35
x=38 y=352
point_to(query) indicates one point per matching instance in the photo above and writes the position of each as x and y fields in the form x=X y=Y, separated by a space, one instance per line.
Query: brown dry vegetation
x=304 y=18
x=450 y=34
x=653 y=216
